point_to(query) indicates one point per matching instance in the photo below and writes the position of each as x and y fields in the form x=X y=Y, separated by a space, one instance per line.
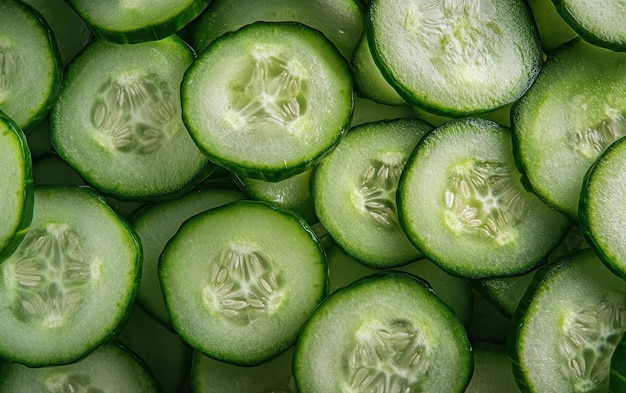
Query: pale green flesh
x=28 y=64
x=16 y=188
x=340 y=20
x=463 y=206
x=119 y=109
x=282 y=84
x=603 y=201
x=600 y=21
x=109 y=369
x=456 y=57
x=355 y=342
x=568 y=118
x=230 y=284
x=569 y=326
x=354 y=191
x=69 y=283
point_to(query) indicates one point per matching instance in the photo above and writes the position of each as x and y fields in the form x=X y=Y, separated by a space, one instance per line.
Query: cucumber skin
x=29 y=191
x=154 y=32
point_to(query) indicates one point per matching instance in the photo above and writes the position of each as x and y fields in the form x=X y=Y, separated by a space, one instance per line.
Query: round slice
x=461 y=202
x=354 y=191
x=455 y=57
x=110 y=369
x=241 y=279
x=269 y=100
x=384 y=333
x=118 y=120
x=575 y=109
x=16 y=189
x=30 y=65
x=603 y=206
x=71 y=282
x=133 y=21
x=600 y=22
x=567 y=327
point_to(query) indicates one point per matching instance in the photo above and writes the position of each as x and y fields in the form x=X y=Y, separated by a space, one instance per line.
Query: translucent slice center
x=132 y=113
x=8 y=69
x=483 y=198
x=387 y=357
x=592 y=141
x=377 y=194
x=70 y=383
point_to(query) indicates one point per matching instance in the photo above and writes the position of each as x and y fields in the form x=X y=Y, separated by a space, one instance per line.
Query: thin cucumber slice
x=568 y=325
x=212 y=376
x=293 y=193
x=156 y=225
x=575 y=109
x=354 y=191
x=118 y=120
x=384 y=333
x=134 y=21
x=369 y=82
x=30 y=66
x=269 y=100
x=602 y=202
x=340 y=20
x=70 y=284
x=492 y=370
x=600 y=22
x=456 y=292
x=164 y=352
x=110 y=369
x=461 y=202
x=241 y=279
x=16 y=189
x=71 y=33
x=455 y=57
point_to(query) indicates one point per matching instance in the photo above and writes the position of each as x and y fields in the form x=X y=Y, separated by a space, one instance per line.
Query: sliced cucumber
x=110 y=369
x=602 y=202
x=384 y=333
x=269 y=100
x=156 y=225
x=241 y=279
x=575 y=109
x=368 y=111
x=340 y=20
x=600 y=22
x=455 y=57
x=553 y=30
x=134 y=21
x=568 y=325
x=354 y=191
x=118 y=120
x=30 y=66
x=16 y=189
x=461 y=202
x=71 y=282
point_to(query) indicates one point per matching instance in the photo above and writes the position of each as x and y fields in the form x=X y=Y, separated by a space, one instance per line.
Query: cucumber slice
x=340 y=20
x=575 y=109
x=369 y=111
x=568 y=325
x=354 y=191
x=30 y=66
x=461 y=202
x=134 y=21
x=553 y=30
x=156 y=225
x=118 y=120
x=602 y=202
x=71 y=282
x=241 y=279
x=212 y=376
x=269 y=100
x=16 y=191
x=455 y=57
x=600 y=22
x=110 y=369
x=384 y=333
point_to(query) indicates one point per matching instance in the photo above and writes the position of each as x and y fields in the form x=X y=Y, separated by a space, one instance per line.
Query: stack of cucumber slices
x=324 y=196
